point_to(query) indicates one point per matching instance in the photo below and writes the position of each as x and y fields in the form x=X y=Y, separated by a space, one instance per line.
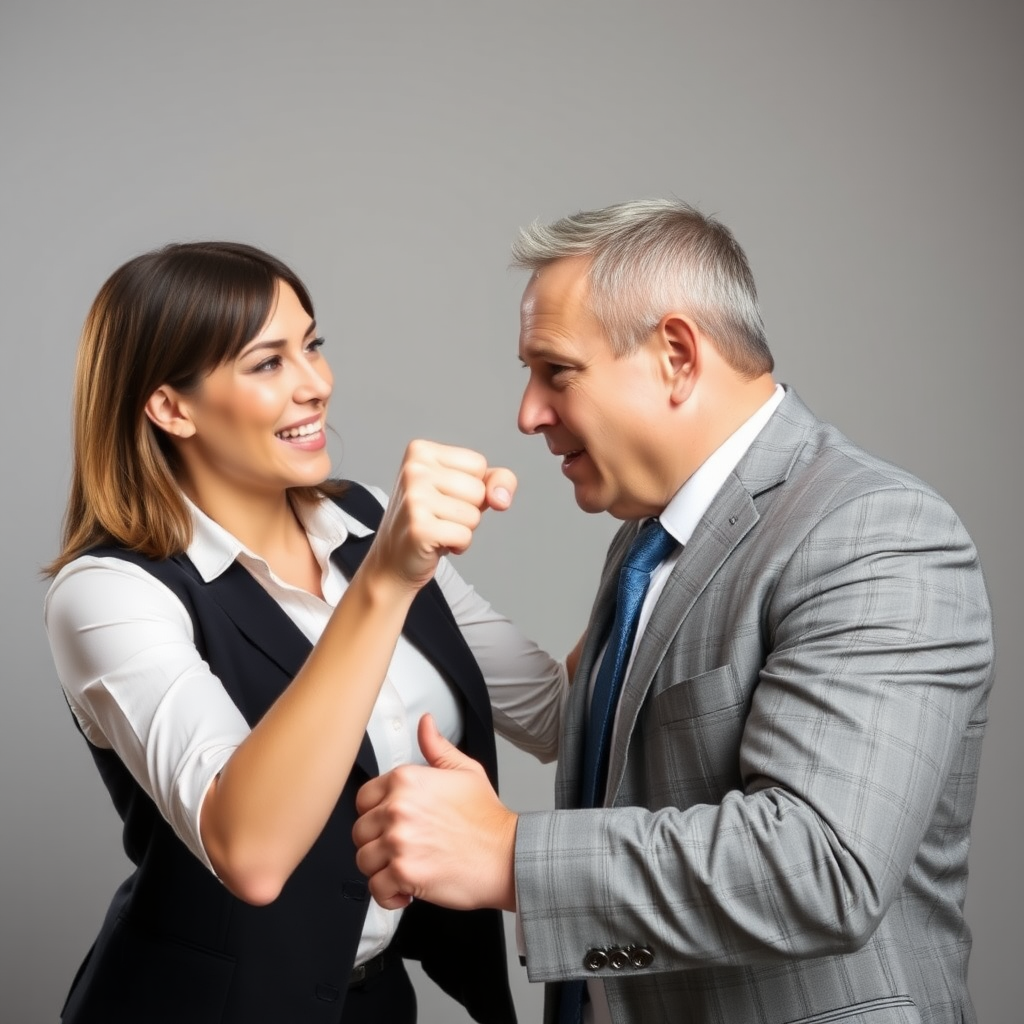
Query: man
x=765 y=807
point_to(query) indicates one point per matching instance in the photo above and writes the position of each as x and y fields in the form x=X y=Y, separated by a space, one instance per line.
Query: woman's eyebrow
x=276 y=342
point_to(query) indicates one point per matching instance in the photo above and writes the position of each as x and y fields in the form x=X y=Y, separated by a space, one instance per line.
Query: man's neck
x=713 y=414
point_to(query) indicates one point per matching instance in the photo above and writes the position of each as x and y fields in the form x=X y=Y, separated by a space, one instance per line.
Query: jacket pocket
x=691 y=740
x=886 y=1010
x=711 y=692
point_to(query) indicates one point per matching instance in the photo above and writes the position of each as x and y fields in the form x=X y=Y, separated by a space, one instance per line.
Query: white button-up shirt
x=125 y=654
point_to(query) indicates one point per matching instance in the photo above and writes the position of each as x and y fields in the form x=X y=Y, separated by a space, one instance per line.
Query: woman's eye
x=267 y=364
x=315 y=345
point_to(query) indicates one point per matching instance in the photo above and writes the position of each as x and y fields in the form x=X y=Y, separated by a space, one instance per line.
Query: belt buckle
x=372 y=967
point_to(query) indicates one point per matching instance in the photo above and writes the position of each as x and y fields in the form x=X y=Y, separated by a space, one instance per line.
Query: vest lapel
x=260 y=619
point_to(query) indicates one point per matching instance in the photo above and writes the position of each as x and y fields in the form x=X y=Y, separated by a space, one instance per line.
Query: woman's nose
x=316 y=383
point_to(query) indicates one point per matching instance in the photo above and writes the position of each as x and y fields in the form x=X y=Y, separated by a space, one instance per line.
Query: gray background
x=869 y=156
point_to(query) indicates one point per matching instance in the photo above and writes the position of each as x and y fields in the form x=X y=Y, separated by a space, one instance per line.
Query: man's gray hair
x=651 y=257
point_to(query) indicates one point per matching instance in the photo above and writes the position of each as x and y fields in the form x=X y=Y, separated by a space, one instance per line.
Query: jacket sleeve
x=876 y=663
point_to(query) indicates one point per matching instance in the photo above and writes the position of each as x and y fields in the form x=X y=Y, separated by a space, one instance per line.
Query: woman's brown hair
x=167 y=317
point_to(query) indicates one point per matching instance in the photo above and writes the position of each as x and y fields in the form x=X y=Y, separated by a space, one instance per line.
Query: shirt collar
x=213 y=549
x=691 y=501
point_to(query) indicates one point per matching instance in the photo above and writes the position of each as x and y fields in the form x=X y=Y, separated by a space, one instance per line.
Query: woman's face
x=258 y=421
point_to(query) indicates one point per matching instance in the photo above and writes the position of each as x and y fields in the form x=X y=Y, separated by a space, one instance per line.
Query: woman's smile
x=308 y=434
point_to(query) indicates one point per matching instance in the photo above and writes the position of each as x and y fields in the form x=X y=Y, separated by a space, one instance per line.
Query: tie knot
x=650 y=546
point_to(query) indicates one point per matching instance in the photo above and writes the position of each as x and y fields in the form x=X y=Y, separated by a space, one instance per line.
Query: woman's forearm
x=267 y=807
x=265 y=810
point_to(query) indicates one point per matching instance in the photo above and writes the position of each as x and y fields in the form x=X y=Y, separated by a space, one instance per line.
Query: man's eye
x=556 y=368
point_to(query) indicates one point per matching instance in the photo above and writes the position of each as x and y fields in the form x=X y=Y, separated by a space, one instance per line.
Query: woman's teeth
x=303 y=431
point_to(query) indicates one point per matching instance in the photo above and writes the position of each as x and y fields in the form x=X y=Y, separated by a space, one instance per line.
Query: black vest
x=176 y=947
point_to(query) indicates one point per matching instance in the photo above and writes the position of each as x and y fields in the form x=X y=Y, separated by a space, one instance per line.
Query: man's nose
x=534 y=411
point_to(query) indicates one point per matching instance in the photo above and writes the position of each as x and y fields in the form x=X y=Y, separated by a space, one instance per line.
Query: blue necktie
x=651 y=546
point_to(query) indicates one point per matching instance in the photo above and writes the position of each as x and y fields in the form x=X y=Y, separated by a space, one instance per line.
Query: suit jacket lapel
x=730 y=517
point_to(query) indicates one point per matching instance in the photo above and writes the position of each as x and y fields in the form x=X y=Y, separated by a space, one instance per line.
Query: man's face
x=598 y=413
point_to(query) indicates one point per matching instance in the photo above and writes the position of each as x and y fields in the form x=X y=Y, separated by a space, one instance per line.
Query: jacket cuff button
x=641 y=956
x=595 y=959
x=619 y=959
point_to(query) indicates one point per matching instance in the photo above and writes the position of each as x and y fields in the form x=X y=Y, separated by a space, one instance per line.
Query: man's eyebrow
x=541 y=350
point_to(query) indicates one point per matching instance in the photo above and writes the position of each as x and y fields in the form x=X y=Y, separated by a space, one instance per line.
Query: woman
x=242 y=647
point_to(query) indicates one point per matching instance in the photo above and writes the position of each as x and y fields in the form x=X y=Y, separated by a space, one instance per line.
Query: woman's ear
x=167 y=410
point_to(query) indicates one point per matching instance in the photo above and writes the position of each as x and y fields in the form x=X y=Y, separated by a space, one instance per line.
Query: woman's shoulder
x=112 y=581
x=104 y=560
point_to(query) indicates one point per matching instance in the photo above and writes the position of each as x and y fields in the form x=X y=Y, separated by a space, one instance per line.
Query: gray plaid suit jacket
x=794 y=769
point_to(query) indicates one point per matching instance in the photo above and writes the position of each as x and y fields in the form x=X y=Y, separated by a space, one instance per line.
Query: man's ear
x=167 y=409
x=681 y=352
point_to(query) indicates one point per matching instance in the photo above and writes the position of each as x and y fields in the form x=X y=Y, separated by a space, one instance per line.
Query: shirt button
x=396 y=724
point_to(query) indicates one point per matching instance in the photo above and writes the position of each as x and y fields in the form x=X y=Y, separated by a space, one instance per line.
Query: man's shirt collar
x=691 y=501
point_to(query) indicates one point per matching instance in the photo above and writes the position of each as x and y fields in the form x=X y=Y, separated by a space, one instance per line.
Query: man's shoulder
x=831 y=453
x=807 y=479
x=825 y=461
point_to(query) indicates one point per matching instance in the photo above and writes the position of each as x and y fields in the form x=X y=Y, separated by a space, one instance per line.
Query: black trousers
x=386 y=998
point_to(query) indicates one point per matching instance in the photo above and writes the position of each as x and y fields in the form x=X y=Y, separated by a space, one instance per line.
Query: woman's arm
x=572 y=659
x=125 y=654
x=249 y=804
x=266 y=808
x=526 y=685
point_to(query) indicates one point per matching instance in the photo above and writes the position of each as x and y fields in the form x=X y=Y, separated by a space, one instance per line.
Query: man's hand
x=437 y=833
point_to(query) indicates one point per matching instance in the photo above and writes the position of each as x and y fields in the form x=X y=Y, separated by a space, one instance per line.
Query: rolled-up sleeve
x=126 y=658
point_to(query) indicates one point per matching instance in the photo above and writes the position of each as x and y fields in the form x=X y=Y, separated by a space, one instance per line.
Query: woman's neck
x=265 y=522
x=272 y=531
